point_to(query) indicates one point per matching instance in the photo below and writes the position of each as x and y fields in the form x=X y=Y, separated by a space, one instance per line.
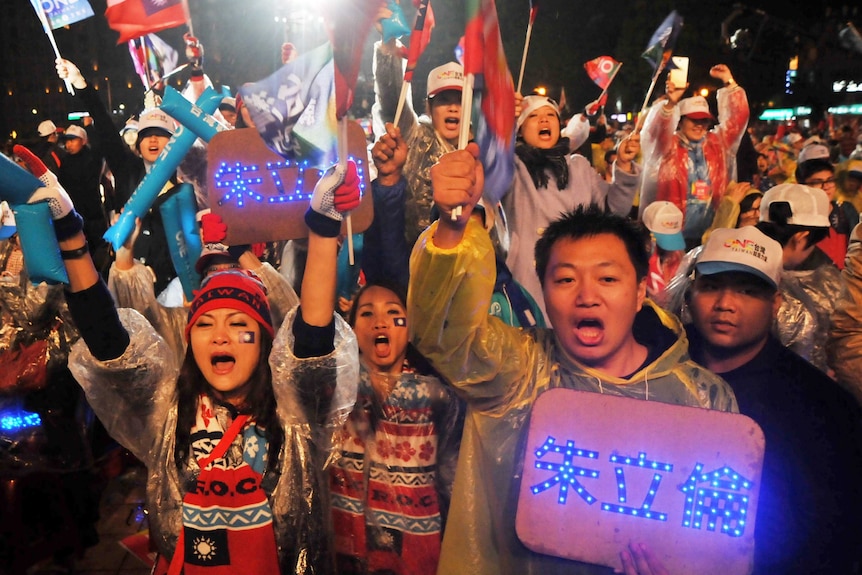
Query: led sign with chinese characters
x=262 y=197
x=602 y=471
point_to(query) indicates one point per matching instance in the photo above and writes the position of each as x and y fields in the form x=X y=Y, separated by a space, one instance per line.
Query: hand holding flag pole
x=534 y=8
x=658 y=54
x=46 y=26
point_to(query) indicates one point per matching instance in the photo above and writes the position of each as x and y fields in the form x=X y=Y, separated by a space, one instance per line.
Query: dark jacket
x=809 y=516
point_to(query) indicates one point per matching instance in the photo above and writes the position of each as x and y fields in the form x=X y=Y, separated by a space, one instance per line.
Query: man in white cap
x=664 y=221
x=809 y=515
x=48 y=149
x=693 y=165
x=814 y=169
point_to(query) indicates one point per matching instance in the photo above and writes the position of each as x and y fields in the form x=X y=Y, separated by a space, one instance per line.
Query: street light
x=704 y=92
x=541 y=90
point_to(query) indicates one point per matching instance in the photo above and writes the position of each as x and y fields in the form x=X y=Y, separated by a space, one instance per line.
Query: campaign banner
x=61 y=13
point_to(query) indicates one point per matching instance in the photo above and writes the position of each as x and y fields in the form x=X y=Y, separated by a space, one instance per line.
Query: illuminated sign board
x=785 y=113
x=262 y=197
x=602 y=471
x=842 y=110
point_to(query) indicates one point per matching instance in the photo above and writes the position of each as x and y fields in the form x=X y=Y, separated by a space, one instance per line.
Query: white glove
x=57 y=198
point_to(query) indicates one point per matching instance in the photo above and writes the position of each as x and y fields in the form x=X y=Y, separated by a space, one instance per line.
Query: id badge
x=700 y=190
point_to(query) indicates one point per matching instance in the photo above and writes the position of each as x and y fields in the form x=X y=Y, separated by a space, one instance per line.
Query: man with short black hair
x=809 y=516
x=606 y=338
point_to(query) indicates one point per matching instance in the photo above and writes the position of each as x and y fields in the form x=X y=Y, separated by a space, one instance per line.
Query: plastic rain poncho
x=501 y=370
x=134 y=397
x=844 y=348
x=133 y=288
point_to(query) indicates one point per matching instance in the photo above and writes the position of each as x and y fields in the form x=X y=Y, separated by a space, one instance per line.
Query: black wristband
x=68 y=225
x=76 y=253
x=322 y=225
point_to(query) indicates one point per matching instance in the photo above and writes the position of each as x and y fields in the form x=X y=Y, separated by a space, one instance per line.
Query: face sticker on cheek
x=400 y=321
x=246 y=337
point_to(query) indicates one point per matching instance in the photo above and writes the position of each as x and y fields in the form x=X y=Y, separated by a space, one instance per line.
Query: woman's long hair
x=259 y=403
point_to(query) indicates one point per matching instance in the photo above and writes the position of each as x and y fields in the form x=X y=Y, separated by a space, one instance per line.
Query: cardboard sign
x=602 y=471
x=262 y=197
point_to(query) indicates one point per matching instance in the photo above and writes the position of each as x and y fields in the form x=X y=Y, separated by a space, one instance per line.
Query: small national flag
x=135 y=18
x=419 y=37
x=534 y=9
x=294 y=109
x=152 y=54
x=663 y=40
x=348 y=23
x=493 y=95
x=68 y=12
x=601 y=70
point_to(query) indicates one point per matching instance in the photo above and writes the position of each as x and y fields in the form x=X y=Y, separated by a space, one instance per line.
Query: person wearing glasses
x=689 y=157
x=814 y=169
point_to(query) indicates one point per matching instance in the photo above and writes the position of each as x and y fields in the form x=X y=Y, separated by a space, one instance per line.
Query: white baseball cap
x=75 y=131
x=745 y=249
x=695 y=108
x=815 y=151
x=46 y=128
x=664 y=220
x=449 y=76
x=155 y=119
x=809 y=206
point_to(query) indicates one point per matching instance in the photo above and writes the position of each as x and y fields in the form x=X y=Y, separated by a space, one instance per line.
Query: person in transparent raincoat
x=235 y=439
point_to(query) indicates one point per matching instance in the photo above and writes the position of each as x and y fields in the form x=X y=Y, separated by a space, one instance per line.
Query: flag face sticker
x=400 y=321
x=246 y=337
x=153 y=6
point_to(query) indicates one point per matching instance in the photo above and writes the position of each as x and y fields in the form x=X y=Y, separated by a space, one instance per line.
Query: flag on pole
x=493 y=94
x=150 y=54
x=534 y=9
x=68 y=12
x=294 y=109
x=420 y=36
x=348 y=23
x=135 y=18
x=663 y=40
x=601 y=70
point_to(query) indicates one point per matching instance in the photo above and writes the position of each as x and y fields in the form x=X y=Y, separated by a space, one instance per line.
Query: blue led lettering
x=720 y=500
x=645 y=510
x=17 y=419
x=566 y=473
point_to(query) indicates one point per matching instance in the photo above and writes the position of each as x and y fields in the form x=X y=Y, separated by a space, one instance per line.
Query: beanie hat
x=532 y=103
x=233 y=289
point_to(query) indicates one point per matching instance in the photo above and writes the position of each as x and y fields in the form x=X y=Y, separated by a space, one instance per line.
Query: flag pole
x=466 y=118
x=401 y=99
x=342 y=163
x=524 y=56
x=658 y=70
x=188 y=14
x=46 y=26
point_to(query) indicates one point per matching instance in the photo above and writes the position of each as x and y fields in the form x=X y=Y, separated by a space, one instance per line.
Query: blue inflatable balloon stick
x=396 y=25
x=184 y=241
x=39 y=244
x=199 y=120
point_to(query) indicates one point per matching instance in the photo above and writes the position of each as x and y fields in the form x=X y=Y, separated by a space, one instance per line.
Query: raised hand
x=68 y=71
x=335 y=193
x=52 y=192
x=389 y=154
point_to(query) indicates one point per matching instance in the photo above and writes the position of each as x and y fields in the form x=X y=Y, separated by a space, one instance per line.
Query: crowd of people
x=693 y=258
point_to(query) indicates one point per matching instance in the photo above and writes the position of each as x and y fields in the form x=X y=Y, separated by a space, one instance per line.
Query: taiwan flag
x=493 y=95
x=136 y=18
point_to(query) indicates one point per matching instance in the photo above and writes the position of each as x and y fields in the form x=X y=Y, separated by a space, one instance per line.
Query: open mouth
x=545 y=132
x=381 y=345
x=590 y=331
x=452 y=122
x=222 y=363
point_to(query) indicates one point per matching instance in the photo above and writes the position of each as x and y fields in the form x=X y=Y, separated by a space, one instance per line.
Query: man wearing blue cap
x=809 y=515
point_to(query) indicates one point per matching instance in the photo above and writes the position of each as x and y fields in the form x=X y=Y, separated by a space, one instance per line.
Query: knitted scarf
x=539 y=162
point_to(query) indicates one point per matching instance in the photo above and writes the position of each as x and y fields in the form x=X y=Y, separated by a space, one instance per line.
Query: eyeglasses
x=822 y=184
